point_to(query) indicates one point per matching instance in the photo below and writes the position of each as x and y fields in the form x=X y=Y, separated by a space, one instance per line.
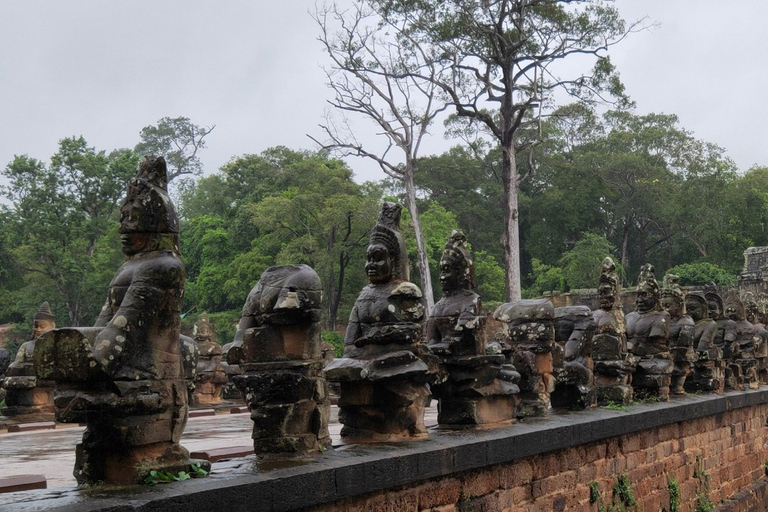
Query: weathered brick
x=440 y=492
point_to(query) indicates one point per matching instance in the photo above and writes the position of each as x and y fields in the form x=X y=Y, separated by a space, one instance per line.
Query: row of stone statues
x=130 y=377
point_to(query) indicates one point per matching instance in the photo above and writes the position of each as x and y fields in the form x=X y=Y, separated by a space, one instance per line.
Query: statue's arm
x=105 y=315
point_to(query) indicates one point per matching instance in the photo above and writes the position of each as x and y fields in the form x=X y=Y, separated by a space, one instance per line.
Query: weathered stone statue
x=386 y=367
x=725 y=336
x=473 y=388
x=574 y=330
x=708 y=369
x=761 y=336
x=648 y=336
x=124 y=377
x=25 y=393
x=530 y=329
x=744 y=364
x=279 y=348
x=210 y=377
x=613 y=369
x=681 y=333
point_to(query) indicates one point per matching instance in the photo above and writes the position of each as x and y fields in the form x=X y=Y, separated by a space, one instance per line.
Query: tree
x=389 y=81
x=581 y=265
x=178 y=140
x=63 y=224
x=499 y=66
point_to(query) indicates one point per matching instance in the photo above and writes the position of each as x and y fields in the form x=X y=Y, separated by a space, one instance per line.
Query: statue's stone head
x=386 y=259
x=696 y=305
x=751 y=307
x=147 y=209
x=203 y=330
x=457 y=267
x=672 y=296
x=287 y=294
x=608 y=286
x=733 y=307
x=648 y=291
x=714 y=301
x=43 y=321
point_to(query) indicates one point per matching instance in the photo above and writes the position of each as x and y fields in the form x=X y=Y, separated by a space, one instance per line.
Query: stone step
x=217 y=454
x=201 y=412
x=26 y=427
x=19 y=483
x=238 y=410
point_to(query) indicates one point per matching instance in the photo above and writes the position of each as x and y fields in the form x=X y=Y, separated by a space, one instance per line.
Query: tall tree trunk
x=410 y=199
x=510 y=239
x=625 y=243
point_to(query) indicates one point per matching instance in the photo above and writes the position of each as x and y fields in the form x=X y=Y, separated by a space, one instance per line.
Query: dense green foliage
x=638 y=188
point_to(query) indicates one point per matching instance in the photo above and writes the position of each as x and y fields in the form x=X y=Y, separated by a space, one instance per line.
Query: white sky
x=105 y=69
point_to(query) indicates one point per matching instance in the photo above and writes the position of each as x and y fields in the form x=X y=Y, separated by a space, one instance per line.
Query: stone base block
x=368 y=418
x=574 y=396
x=533 y=405
x=619 y=395
x=489 y=409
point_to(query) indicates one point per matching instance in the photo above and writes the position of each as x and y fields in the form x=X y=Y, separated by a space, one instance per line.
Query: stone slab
x=223 y=453
x=26 y=427
x=18 y=483
x=201 y=412
x=239 y=410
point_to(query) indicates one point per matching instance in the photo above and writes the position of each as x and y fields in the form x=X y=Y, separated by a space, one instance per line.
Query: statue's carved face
x=731 y=312
x=696 y=310
x=671 y=305
x=606 y=295
x=133 y=243
x=41 y=326
x=646 y=300
x=450 y=278
x=378 y=264
x=714 y=309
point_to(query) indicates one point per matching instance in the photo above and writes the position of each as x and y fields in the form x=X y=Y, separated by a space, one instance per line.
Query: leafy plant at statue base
x=162 y=477
x=615 y=407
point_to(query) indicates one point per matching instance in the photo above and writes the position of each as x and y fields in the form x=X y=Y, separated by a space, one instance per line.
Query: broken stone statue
x=725 y=336
x=210 y=377
x=708 y=369
x=613 y=368
x=124 y=377
x=27 y=395
x=473 y=388
x=681 y=333
x=530 y=330
x=386 y=368
x=279 y=349
x=648 y=339
x=574 y=331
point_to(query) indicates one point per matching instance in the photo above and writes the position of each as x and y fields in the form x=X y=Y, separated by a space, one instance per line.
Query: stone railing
x=706 y=449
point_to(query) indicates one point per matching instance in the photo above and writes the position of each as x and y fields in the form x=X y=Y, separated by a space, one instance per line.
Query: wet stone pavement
x=52 y=452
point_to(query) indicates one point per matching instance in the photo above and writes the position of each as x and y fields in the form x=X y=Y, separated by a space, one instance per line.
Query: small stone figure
x=279 y=349
x=613 y=368
x=574 y=330
x=681 y=333
x=530 y=329
x=386 y=367
x=124 y=377
x=708 y=369
x=210 y=377
x=725 y=336
x=25 y=393
x=473 y=388
x=648 y=335
x=744 y=364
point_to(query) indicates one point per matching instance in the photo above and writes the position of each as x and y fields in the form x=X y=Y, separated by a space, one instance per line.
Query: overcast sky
x=105 y=69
